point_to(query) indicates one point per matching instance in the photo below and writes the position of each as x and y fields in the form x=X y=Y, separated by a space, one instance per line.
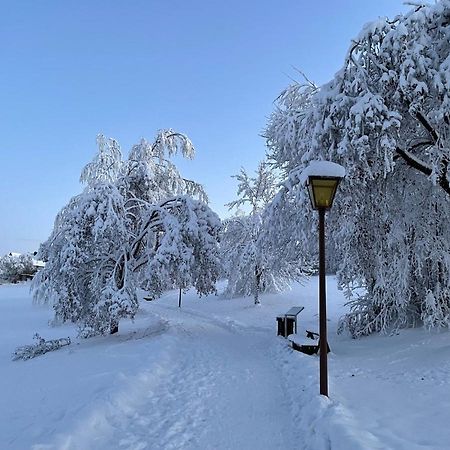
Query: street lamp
x=322 y=179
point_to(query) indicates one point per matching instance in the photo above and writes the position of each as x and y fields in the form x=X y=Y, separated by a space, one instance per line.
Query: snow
x=321 y=169
x=214 y=375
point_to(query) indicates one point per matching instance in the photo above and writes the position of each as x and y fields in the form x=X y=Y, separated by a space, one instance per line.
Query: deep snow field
x=214 y=375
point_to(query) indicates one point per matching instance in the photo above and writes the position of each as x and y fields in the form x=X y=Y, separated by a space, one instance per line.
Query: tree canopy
x=256 y=259
x=385 y=116
x=136 y=224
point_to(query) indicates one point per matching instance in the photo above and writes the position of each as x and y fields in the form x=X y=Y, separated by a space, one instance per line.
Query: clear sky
x=210 y=69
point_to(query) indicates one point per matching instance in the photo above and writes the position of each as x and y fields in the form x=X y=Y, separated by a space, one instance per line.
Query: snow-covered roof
x=38 y=263
x=322 y=169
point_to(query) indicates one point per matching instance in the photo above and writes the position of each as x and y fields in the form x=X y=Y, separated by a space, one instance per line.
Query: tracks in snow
x=223 y=392
x=219 y=390
x=210 y=385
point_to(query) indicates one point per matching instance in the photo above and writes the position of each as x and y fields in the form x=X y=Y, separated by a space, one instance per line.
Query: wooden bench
x=287 y=323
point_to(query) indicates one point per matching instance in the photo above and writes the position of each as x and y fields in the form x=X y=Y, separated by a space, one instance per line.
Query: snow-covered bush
x=134 y=225
x=386 y=118
x=15 y=268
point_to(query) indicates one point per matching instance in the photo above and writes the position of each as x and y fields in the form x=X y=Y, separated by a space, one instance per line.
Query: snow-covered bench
x=301 y=344
x=287 y=323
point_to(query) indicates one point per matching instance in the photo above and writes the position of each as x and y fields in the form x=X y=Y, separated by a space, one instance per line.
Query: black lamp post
x=322 y=189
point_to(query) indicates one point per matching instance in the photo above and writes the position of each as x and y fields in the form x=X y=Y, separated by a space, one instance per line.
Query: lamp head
x=322 y=190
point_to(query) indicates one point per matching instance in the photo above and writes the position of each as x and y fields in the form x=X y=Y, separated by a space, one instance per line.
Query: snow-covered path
x=214 y=375
x=211 y=375
x=220 y=389
x=239 y=388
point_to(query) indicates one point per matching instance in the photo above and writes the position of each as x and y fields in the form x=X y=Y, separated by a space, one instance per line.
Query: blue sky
x=210 y=69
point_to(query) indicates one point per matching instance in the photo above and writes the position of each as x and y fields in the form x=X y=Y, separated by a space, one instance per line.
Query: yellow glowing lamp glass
x=322 y=191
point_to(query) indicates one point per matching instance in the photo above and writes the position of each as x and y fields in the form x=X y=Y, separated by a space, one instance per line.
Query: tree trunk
x=114 y=328
x=257 y=284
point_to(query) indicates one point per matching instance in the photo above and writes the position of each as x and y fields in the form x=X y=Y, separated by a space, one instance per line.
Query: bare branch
x=423 y=120
x=414 y=162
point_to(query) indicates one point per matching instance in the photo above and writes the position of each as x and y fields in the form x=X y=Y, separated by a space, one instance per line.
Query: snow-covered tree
x=148 y=173
x=106 y=164
x=134 y=225
x=254 y=262
x=186 y=253
x=149 y=177
x=385 y=117
x=82 y=277
x=16 y=267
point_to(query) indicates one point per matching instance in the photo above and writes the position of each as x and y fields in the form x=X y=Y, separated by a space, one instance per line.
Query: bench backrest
x=295 y=310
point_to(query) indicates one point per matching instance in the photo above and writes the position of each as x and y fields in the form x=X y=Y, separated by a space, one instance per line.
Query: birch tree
x=136 y=224
x=254 y=262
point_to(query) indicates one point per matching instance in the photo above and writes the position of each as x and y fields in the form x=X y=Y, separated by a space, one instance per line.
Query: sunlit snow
x=214 y=375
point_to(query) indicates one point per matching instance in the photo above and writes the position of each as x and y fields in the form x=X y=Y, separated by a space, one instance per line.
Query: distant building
x=16 y=267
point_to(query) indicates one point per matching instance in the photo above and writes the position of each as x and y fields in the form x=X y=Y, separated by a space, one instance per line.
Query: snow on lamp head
x=322 y=179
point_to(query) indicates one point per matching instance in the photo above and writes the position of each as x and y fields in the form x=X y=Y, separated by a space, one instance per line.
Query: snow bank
x=323 y=423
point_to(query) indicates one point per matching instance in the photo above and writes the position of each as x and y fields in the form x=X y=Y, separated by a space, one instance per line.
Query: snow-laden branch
x=384 y=117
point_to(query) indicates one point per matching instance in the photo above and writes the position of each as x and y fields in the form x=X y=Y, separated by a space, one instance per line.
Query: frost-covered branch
x=41 y=347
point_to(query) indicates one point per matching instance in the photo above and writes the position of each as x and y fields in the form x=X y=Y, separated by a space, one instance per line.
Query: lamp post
x=322 y=179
